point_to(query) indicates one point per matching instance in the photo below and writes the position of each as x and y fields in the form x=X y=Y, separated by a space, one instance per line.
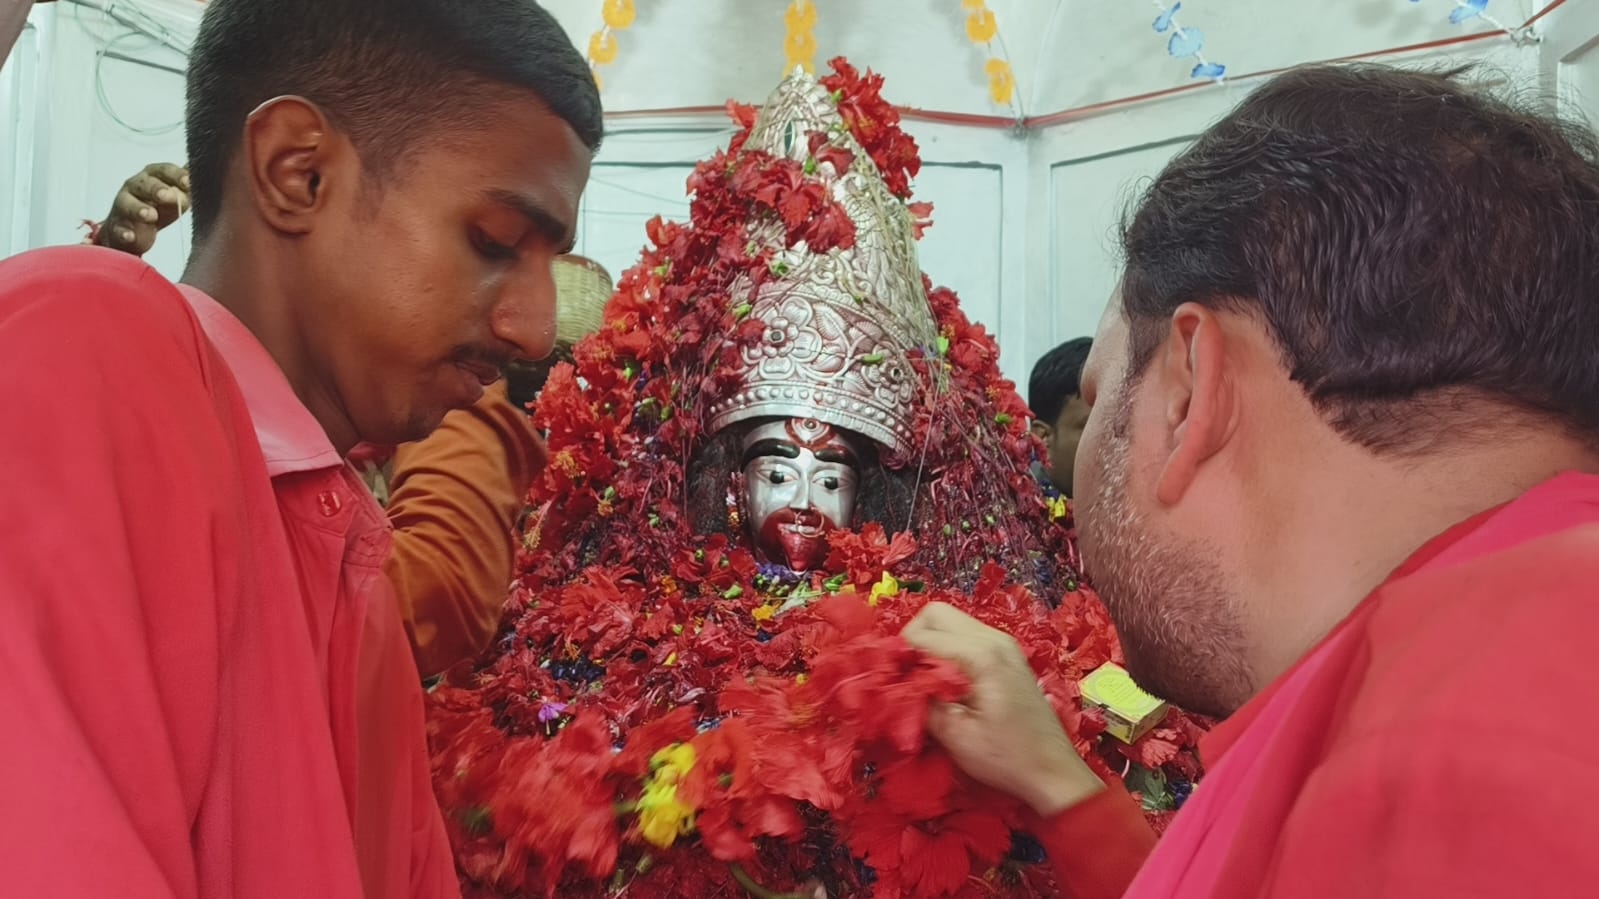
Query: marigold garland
x=665 y=716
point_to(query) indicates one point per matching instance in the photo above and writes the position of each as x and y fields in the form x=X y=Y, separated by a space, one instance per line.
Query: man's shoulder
x=84 y=291
x=1510 y=635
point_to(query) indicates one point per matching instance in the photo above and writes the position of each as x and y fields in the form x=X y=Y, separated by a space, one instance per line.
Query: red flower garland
x=653 y=717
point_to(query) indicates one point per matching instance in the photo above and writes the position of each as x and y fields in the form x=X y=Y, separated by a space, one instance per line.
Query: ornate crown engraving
x=840 y=326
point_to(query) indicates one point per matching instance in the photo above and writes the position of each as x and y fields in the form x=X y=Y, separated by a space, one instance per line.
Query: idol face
x=800 y=481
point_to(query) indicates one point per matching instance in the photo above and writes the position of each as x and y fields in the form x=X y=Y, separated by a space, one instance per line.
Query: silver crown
x=840 y=326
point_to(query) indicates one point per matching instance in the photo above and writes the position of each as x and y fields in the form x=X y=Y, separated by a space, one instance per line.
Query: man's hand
x=1005 y=734
x=148 y=202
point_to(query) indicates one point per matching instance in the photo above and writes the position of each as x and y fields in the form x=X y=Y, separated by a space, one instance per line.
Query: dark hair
x=385 y=72
x=1414 y=246
x=1056 y=378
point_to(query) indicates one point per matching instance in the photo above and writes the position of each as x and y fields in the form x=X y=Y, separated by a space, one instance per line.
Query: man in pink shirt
x=210 y=691
x=1340 y=485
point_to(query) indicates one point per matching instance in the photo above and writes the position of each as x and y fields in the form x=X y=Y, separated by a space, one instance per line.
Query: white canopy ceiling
x=1065 y=53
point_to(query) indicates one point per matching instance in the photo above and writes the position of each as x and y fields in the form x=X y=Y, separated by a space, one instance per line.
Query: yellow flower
x=1057 y=508
x=885 y=587
x=763 y=613
x=662 y=817
x=671 y=660
x=566 y=464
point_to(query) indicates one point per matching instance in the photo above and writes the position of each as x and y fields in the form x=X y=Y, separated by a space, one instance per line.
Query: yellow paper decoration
x=619 y=14
x=799 y=43
x=982 y=29
x=1001 y=81
x=602 y=48
x=981 y=26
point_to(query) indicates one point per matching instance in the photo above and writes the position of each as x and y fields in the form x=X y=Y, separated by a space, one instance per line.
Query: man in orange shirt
x=210 y=684
x=1340 y=486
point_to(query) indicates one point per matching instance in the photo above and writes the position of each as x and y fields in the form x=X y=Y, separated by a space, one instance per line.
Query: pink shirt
x=210 y=689
x=1437 y=743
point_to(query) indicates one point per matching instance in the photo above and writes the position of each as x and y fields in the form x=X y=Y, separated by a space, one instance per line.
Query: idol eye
x=830 y=482
x=777 y=477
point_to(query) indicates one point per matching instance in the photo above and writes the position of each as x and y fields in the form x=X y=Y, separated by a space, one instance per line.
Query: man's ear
x=289 y=149
x=1196 y=387
x=1040 y=429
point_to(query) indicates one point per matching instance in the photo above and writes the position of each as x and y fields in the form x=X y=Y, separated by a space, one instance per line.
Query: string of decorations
x=982 y=29
x=1466 y=10
x=1187 y=43
x=616 y=15
x=799 y=38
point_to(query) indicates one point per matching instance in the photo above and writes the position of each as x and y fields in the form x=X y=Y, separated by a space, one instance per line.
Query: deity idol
x=781 y=444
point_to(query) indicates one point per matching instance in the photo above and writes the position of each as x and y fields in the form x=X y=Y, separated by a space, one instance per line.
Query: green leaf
x=742 y=311
x=872 y=359
x=1151 y=784
x=733 y=592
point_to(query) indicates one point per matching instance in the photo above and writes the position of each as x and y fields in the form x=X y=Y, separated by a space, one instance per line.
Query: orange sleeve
x=1096 y=847
x=454 y=500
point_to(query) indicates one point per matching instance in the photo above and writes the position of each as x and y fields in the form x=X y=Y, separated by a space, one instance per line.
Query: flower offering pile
x=674 y=708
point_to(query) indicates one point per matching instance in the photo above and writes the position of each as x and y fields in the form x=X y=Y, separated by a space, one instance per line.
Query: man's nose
x=524 y=317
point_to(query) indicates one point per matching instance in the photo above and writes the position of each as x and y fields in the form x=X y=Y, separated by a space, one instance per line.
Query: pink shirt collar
x=291 y=439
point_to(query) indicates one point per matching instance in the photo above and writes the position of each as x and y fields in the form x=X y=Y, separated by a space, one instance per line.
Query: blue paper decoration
x=1189 y=43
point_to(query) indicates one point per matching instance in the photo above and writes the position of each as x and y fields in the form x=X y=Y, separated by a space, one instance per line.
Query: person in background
x=1340 y=486
x=1055 y=396
x=453 y=497
x=208 y=676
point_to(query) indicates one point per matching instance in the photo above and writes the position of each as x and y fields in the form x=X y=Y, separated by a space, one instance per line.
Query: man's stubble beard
x=1179 y=625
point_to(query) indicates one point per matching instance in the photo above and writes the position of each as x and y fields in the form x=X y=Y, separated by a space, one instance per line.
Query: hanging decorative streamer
x=982 y=29
x=617 y=15
x=799 y=39
x=1466 y=10
x=1186 y=43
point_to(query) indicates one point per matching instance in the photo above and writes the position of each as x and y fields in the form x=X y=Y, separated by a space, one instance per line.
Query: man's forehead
x=1110 y=339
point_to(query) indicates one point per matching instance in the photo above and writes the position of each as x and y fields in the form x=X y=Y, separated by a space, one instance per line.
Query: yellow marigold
x=662 y=817
x=763 y=613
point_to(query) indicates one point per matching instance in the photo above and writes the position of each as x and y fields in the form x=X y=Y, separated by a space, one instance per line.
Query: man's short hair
x=1057 y=377
x=1413 y=245
x=386 y=72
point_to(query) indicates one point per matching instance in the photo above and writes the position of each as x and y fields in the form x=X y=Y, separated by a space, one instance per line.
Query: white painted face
x=800 y=482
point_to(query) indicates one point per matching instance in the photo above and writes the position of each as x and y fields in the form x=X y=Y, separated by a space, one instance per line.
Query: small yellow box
x=1129 y=711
